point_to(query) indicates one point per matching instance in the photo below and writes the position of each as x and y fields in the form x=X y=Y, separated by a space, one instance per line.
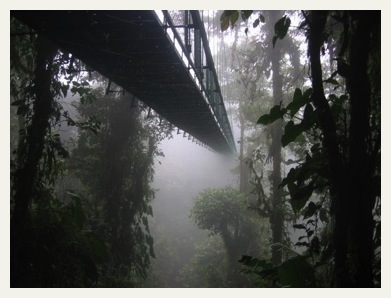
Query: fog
x=105 y=192
x=185 y=170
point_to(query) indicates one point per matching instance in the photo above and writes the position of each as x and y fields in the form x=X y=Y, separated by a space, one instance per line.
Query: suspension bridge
x=162 y=58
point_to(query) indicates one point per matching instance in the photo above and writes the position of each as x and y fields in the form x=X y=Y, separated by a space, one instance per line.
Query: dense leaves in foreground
x=336 y=123
x=80 y=187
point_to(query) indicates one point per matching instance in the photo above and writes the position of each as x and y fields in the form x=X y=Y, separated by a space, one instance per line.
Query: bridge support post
x=187 y=31
x=198 y=52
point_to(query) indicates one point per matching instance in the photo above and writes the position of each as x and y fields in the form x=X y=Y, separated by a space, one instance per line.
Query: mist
x=185 y=170
x=195 y=149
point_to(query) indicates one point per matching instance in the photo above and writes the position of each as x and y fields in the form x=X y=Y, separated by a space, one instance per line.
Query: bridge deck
x=132 y=49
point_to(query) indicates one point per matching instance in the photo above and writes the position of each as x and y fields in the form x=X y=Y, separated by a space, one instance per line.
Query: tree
x=38 y=218
x=224 y=212
x=116 y=169
x=266 y=57
x=96 y=233
x=343 y=124
x=354 y=172
x=208 y=267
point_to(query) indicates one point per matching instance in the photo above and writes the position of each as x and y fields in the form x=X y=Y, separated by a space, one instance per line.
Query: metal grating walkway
x=142 y=52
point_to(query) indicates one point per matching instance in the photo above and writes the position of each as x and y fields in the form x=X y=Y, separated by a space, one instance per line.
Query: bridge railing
x=187 y=33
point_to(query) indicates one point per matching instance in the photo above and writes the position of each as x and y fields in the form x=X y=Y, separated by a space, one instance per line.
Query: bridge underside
x=132 y=49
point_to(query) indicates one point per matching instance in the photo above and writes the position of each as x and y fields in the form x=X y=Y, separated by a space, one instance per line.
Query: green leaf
x=302 y=243
x=245 y=14
x=290 y=178
x=296 y=272
x=299 y=100
x=228 y=17
x=323 y=215
x=275 y=113
x=297 y=205
x=307 y=93
x=332 y=75
x=311 y=209
x=279 y=25
x=264 y=119
x=332 y=81
x=298 y=95
x=282 y=26
x=234 y=17
x=224 y=22
x=292 y=131
x=300 y=195
x=299 y=226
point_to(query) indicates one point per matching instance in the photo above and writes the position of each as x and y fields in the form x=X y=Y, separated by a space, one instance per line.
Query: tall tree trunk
x=244 y=171
x=277 y=219
x=337 y=168
x=234 y=250
x=244 y=174
x=361 y=200
x=350 y=183
x=122 y=123
x=26 y=175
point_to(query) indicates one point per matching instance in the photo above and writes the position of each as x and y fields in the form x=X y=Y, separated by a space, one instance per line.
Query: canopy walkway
x=168 y=65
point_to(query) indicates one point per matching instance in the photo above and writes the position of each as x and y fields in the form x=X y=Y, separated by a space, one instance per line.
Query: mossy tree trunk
x=352 y=177
x=25 y=183
x=277 y=217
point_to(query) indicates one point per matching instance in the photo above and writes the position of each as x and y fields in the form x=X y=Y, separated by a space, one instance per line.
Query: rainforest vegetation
x=94 y=202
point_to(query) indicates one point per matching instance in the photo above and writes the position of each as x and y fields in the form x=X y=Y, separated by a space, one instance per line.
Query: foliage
x=104 y=238
x=220 y=211
x=121 y=157
x=281 y=28
x=317 y=172
x=42 y=235
x=224 y=212
x=208 y=266
x=335 y=124
x=263 y=156
x=63 y=251
x=164 y=269
x=295 y=272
